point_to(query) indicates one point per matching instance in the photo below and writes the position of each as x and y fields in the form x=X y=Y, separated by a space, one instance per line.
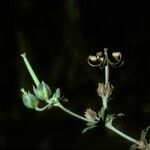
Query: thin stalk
x=108 y=125
x=43 y=108
x=107 y=73
x=105 y=100
x=34 y=77
x=72 y=113
x=107 y=66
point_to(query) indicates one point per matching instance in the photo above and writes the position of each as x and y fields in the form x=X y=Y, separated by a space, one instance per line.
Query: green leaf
x=56 y=95
x=120 y=115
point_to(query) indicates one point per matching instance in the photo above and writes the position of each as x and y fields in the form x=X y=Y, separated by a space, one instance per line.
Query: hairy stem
x=109 y=126
x=107 y=73
x=34 y=77
x=71 y=113
x=105 y=100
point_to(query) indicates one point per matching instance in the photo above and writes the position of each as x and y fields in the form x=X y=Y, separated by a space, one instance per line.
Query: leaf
x=56 y=96
x=110 y=118
x=134 y=147
x=120 y=115
x=58 y=93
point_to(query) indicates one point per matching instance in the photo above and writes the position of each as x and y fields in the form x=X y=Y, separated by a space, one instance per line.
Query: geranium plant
x=42 y=93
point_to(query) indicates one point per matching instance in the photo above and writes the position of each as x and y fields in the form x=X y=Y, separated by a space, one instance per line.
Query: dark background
x=58 y=36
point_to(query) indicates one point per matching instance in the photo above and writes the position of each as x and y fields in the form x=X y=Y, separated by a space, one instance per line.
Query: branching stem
x=105 y=98
x=109 y=126
x=71 y=113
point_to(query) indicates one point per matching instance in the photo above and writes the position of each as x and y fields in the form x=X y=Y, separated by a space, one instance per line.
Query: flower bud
x=90 y=114
x=101 y=90
x=43 y=91
x=101 y=59
x=30 y=100
x=104 y=89
x=116 y=55
x=92 y=58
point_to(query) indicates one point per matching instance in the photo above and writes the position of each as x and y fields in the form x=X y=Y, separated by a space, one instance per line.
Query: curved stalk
x=72 y=113
x=109 y=126
x=43 y=108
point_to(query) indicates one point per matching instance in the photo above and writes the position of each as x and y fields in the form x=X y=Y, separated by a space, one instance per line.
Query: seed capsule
x=30 y=100
x=43 y=91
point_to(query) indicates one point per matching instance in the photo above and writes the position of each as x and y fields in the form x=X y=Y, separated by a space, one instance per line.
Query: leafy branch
x=43 y=94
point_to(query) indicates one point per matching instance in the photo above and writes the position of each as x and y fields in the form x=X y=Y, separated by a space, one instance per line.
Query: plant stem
x=108 y=125
x=43 y=108
x=34 y=77
x=106 y=67
x=107 y=73
x=72 y=113
x=105 y=100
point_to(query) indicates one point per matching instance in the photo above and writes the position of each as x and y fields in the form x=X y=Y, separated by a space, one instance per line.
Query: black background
x=58 y=36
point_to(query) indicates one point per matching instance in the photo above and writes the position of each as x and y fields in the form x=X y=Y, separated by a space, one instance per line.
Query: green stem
x=106 y=73
x=105 y=101
x=43 y=108
x=108 y=125
x=106 y=67
x=34 y=77
x=71 y=113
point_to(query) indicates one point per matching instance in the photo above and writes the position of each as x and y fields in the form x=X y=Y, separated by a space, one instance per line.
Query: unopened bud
x=29 y=100
x=116 y=55
x=90 y=114
x=92 y=58
x=43 y=91
x=101 y=59
x=104 y=89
